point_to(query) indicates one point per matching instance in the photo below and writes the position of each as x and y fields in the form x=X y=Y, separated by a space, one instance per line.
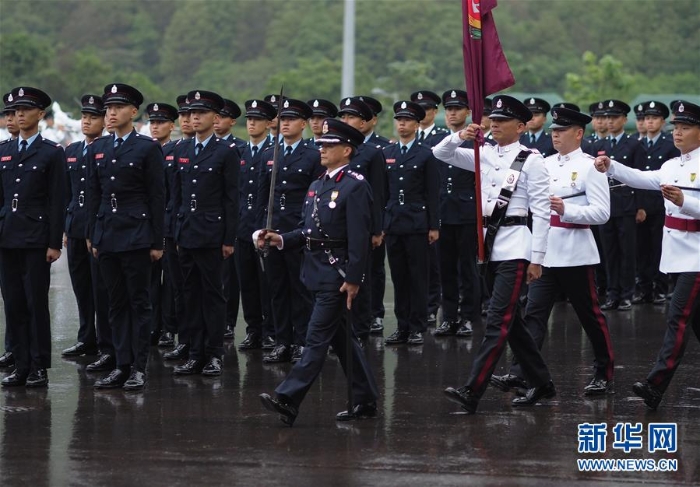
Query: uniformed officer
x=320 y=110
x=618 y=235
x=88 y=287
x=297 y=167
x=368 y=161
x=336 y=230
x=411 y=223
x=161 y=123
x=369 y=133
x=183 y=118
x=515 y=254
x=32 y=182
x=255 y=299
x=679 y=183
x=458 y=238
x=274 y=100
x=206 y=192
x=126 y=201
x=535 y=136
x=228 y=117
x=640 y=122
x=599 y=125
x=579 y=197
x=652 y=285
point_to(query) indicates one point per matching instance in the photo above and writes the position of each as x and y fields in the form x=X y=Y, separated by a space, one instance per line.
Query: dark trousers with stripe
x=619 y=236
x=408 y=262
x=503 y=323
x=327 y=326
x=362 y=304
x=458 y=272
x=79 y=265
x=683 y=315
x=177 y=283
x=578 y=284
x=25 y=276
x=650 y=233
x=254 y=295
x=127 y=276
x=378 y=257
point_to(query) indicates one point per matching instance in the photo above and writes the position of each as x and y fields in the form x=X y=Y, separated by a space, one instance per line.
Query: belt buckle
x=449 y=188
x=81 y=200
x=113 y=204
x=402 y=197
x=283 y=201
x=15 y=201
x=308 y=243
x=193 y=205
x=331 y=259
x=250 y=201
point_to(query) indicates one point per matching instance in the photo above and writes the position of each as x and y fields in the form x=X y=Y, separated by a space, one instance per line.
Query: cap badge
x=91 y=101
x=197 y=96
x=155 y=107
x=187 y=101
x=324 y=130
x=600 y=104
x=611 y=104
x=9 y=97
x=420 y=96
x=347 y=102
x=562 y=106
x=273 y=99
x=286 y=104
x=114 y=88
x=499 y=103
x=254 y=104
x=315 y=103
x=641 y=107
x=681 y=108
x=453 y=94
x=532 y=101
x=403 y=105
x=21 y=92
x=652 y=104
x=555 y=115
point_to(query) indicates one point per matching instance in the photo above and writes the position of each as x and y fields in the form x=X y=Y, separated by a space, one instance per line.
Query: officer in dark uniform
x=619 y=233
x=126 y=201
x=535 y=136
x=411 y=223
x=320 y=109
x=298 y=166
x=600 y=129
x=369 y=133
x=227 y=120
x=254 y=296
x=274 y=100
x=88 y=287
x=658 y=148
x=337 y=222
x=32 y=187
x=640 y=122
x=183 y=118
x=368 y=161
x=206 y=195
x=161 y=119
x=458 y=239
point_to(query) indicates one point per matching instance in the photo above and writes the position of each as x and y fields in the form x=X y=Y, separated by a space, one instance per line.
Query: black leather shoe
x=446 y=328
x=534 y=394
x=252 y=341
x=659 y=299
x=297 y=351
x=610 y=304
x=646 y=391
x=166 y=339
x=415 y=338
x=359 y=411
x=7 y=359
x=181 y=352
x=625 y=305
x=432 y=319
x=190 y=367
x=104 y=363
x=228 y=333
x=136 y=381
x=279 y=354
x=287 y=411
x=115 y=379
x=397 y=338
x=377 y=326
x=507 y=382
x=463 y=396
x=213 y=367
x=598 y=387
x=37 y=378
x=465 y=330
x=268 y=343
x=79 y=349
x=16 y=378
x=642 y=298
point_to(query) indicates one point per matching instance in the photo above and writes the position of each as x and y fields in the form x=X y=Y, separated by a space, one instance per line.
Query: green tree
x=598 y=79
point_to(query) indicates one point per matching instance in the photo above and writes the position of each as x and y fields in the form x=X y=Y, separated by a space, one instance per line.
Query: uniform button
x=401 y=166
x=488 y=200
x=112 y=195
x=83 y=166
x=210 y=169
x=82 y=179
x=250 y=181
x=284 y=168
x=17 y=180
x=113 y=161
x=401 y=178
x=493 y=185
x=131 y=163
x=498 y=168
x=284 y=182
x=647 y=167
x=195 y=167
x=318 y=199
x=18 y=166
x=415 y=167
x=33 y=167
x=194 y=181
x=449 y=179
x=112 y=178
x=143 y=214
x=16 y=195
x=219 y=218
x=555 y=179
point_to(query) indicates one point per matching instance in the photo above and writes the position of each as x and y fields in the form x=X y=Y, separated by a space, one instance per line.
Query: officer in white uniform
x=680 y=255
x=579 y=197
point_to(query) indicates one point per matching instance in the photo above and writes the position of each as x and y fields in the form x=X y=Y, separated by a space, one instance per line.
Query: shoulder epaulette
x=355 y=175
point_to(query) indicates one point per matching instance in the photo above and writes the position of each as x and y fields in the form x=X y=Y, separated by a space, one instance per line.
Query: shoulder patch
x=355 y=175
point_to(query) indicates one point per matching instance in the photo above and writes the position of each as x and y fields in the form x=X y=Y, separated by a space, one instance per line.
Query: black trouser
x=578 y=284
x=601 y=277
x=177 y=282
x=683 y=315
x=377 y=256
x=434 y=283
x=362 y=304
x=127 y=276
x=505 y=280
x=105 y=341
x=168 y=307
x=619 y=242
x=649 y=235
x=81 y=279
x=290 y=300
x=327 y=326
x=254 y=295
x=156 y=296
x=25 y=276
x=232 y=291
x=408 y=262
x=458 y=272
x=205 y=303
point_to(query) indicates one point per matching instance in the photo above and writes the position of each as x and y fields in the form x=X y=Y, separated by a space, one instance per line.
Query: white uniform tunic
x=571 y=174
x=513 y=242
x=680 y=250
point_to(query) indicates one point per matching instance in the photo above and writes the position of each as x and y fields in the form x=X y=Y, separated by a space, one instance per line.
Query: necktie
x=327 y=177
x=22 y=146
x=198 y=148
x=421 y=138
x=288 y=151
x=118 y=142
x=613 y=142
x=649 y=143
x=254 y=149
x=84 y=150
x=532 y=139
x=403 y=150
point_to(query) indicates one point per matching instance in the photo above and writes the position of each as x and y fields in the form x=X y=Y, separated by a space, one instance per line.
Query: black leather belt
x=325 y=243
x=508 y=221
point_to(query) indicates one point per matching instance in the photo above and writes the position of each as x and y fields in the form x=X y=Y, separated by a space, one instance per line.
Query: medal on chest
x=334 y=196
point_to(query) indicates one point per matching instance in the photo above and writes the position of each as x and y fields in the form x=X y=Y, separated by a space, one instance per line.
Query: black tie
x=198 y=148
x=613 y=142
x=649 y=143
x=22 y=146
x=119 y=143
x=255 y=150
x=84 y=150
x=532 y=139
x=403 y=150
x=327 y=177
x=422 y=136
x=288 y=151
